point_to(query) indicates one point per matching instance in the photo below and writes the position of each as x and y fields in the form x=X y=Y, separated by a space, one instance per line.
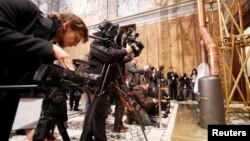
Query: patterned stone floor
x=134 y=132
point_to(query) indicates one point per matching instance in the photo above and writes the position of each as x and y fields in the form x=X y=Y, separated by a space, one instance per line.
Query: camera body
x=56 y=76
x=108 y=31
x=130 y=38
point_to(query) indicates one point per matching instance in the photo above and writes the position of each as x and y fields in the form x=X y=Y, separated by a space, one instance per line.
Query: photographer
x=172 y=82
x=27 y=38
x=102 y=52
x=134 y=72
x=147 y=104
x=184 y=88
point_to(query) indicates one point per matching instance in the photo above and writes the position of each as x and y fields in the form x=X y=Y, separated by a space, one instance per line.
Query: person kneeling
x=146 y=103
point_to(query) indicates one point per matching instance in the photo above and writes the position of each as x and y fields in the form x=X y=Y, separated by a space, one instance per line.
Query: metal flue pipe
x=203 y=52
x=201 y=13
x=212 y=49
x=211 y=102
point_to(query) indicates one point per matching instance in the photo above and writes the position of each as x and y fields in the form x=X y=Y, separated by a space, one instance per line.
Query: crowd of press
x=30 y=39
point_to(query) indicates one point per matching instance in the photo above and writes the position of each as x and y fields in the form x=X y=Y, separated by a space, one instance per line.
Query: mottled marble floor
x=181 y=125
x=134 y=132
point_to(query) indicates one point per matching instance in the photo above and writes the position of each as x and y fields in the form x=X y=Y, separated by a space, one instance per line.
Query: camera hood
x=108 y=29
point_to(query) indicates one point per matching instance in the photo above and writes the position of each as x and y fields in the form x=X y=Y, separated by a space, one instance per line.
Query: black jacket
x=101 y=52
x=172 y=77
x=184 y=81
x=24 y=40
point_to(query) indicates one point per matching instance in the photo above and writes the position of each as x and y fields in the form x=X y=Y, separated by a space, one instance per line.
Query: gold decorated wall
x=173 y=42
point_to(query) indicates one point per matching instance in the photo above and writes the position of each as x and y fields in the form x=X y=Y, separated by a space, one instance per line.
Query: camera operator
x=102 y=52
x=27 y=38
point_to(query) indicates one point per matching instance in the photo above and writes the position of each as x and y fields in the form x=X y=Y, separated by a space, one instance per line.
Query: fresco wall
x=95 y=11
x=47 y=6
x=169 y=40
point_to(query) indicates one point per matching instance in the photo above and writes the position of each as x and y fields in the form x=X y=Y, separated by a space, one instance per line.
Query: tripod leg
x=42 y=129
x=88 y=121
x=128 y=102
x=159 y=104
x=121 y=84
x=62 y=130
x=137 y=115
x=95 y=120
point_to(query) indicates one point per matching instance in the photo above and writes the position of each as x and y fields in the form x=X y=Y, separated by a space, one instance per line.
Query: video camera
x=130 y=38
x=109 y=31
x=56 y=76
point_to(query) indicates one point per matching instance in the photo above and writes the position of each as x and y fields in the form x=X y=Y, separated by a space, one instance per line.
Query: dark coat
x=184 y=81
x=20 y=22
x=140 y=96
x=24 y=45
x=101 y=52
x=172 y=77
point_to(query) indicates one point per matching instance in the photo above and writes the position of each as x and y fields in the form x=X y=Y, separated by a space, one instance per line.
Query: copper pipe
x=211 y=47
x=202 y=22
x=201 y=12
x=212 y=51
x=203 y=52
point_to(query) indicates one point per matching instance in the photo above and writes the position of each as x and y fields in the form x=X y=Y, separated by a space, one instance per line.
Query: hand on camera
x=146 y=67
x=63 y=57
x=164 y=101
x=155 y=100
x=129 y=49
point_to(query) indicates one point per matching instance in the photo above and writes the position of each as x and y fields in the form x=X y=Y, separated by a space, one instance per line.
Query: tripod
x=118 y=81
x=159 y=102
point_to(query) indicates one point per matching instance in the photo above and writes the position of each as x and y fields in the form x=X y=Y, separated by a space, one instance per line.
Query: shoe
x=167 y=111
x=70 y=109
x=76 y=109
x=157 y=125
x=124 y=127
x=122 y=130
x=165 y=115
